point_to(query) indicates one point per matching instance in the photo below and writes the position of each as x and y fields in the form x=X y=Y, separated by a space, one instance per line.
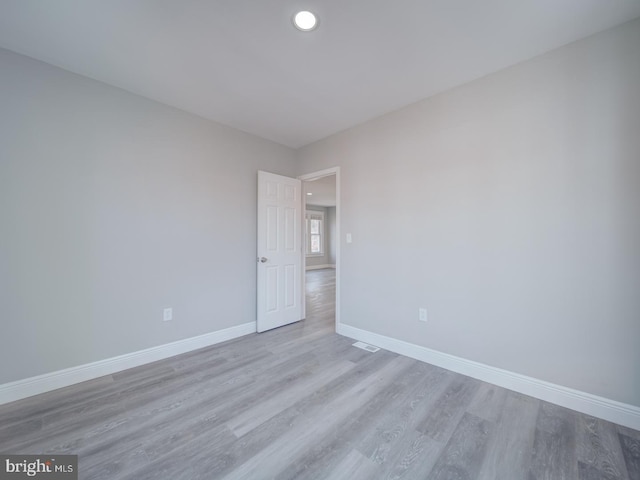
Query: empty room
x=320 y=240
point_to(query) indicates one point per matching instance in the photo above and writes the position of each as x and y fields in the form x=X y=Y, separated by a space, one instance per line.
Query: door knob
x=263 y=259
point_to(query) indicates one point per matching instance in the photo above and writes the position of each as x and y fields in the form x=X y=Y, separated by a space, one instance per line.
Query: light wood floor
x=300 y=402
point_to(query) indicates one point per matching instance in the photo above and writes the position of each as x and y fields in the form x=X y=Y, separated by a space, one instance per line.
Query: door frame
x=305 y=178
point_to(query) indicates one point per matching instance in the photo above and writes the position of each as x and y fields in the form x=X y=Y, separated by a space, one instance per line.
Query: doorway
x=321 y=225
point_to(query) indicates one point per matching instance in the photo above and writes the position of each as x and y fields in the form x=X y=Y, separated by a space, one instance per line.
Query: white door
x=279 y=251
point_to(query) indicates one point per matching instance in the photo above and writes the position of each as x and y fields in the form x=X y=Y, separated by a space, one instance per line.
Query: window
x=315 y=233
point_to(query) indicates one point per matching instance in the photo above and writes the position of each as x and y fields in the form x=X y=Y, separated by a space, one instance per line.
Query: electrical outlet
x=167 y=314
x=422 y=314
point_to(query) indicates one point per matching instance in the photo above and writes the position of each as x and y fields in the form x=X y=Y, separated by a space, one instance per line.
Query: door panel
x=279 y=248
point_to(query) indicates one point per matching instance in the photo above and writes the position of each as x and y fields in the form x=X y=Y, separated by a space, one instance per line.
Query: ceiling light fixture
x=309 y=193
x=305 y=21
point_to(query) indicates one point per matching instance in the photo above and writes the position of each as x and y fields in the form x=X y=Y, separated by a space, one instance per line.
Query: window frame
x=314 y=215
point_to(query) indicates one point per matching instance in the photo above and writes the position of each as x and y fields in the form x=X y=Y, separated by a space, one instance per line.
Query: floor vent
x=366 y=346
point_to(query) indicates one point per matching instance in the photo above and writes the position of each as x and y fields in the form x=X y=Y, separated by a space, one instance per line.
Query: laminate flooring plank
x=111 y=403
x=325 y=350
x=488 y=402
x=173 y=408
x=126 y=380
x=277 y=456
x=363 y=370
x=508 y=453
x=222 y=365
x=55 y=402
x=76 y=410
x=133 y=431
x=143 y=373
x=63 y=438
x=238 y=348
x=39 y=405
x=288 y=396
x=316 y=408
x=327 y=452
x=215 y=450
x=88 y=435
x=79 y=422
x=214 y=462
x=333 y=345
x=554 y=455
x=188 y=417
x=111 y=467
x=354 y=466
x=631 y=451
x=413 y=457
x=221 y=461
x=217 y=379
x=443 y=417
x=205 y=354
x=267 y=340
x=10 y=433
x=310 y=340
x=463 y=454
x=629 y=432
x=589 y=472
x=380 y=442
x=599 y=446
x=194 y=455
x=104 y=403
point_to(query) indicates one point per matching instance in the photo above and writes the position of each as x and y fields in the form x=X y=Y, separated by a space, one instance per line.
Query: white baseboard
x=610 y=410
x=19 y=389
x=319 y=267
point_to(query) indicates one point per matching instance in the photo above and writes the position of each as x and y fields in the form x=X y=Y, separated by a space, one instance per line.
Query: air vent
x=366 y=346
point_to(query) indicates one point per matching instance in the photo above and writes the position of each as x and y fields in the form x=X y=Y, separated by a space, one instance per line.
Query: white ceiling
x=241 y=63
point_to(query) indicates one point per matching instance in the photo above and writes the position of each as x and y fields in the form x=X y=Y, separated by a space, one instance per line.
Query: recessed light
x=309 y=193
x=305 y=21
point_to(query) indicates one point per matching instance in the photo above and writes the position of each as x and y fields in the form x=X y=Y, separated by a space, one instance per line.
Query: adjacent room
x=320 y=240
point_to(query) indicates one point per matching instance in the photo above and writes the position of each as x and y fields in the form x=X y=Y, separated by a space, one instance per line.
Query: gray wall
x=510 y=208
x=315 y=260
x=113 y=207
